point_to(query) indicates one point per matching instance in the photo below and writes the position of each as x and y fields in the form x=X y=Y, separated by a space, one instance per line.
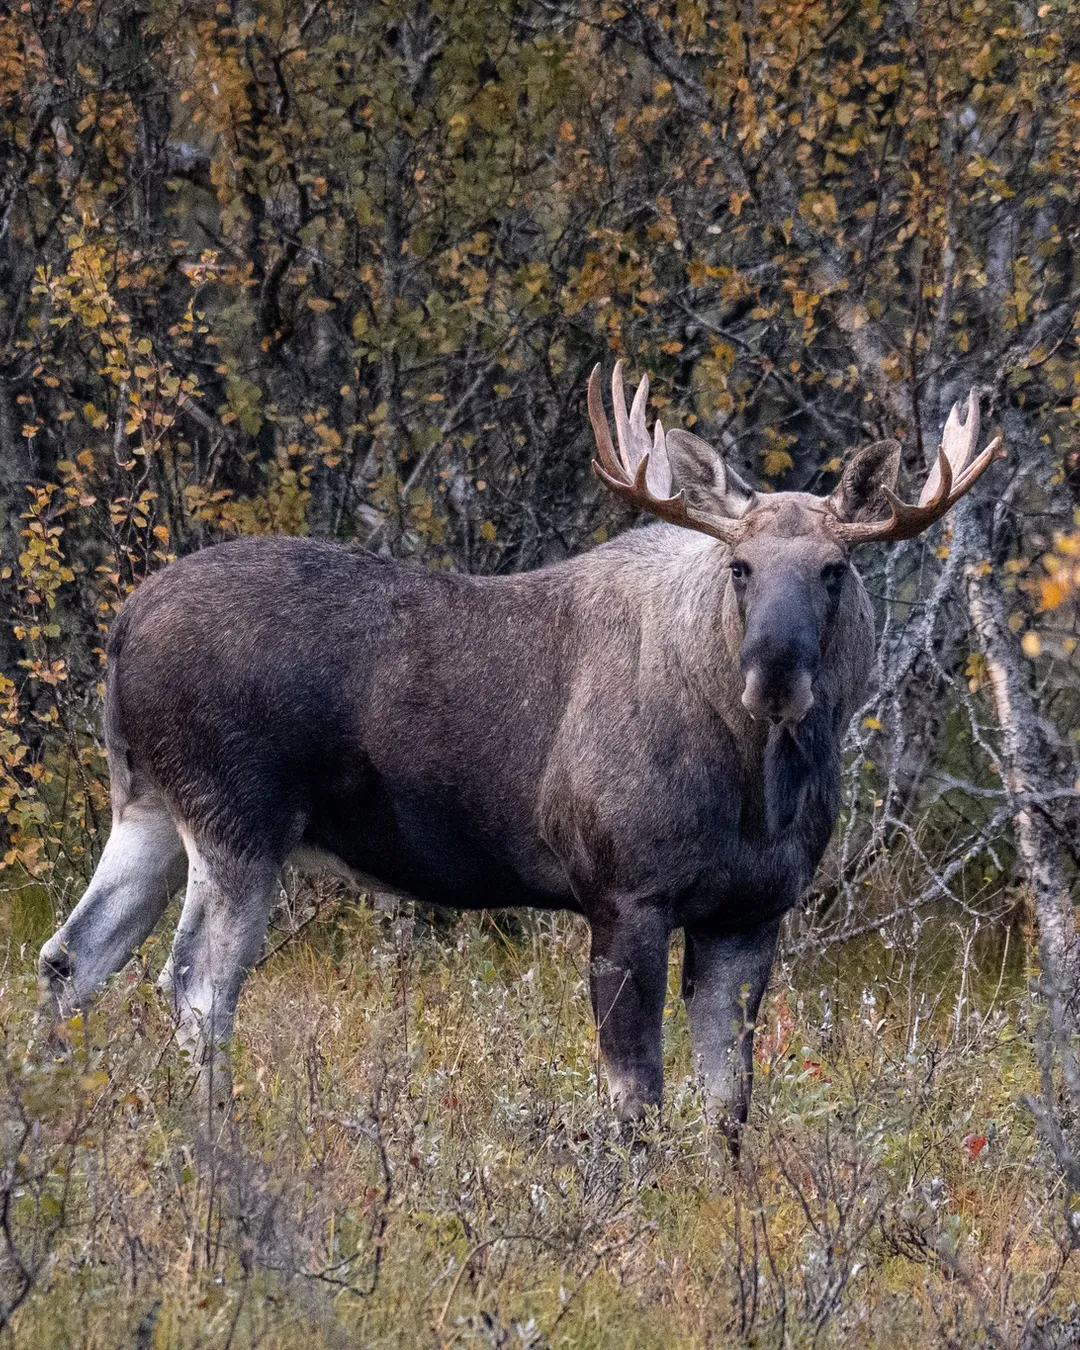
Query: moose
x=648 y=734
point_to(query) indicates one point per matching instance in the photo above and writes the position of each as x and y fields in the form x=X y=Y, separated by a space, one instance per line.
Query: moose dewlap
x=648 y=734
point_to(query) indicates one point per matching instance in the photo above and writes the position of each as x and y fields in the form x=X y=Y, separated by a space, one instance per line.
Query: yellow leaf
x=319 y=305
x=1053 y=591
x=1031 y=644
x=776 y=462
x=975 y=670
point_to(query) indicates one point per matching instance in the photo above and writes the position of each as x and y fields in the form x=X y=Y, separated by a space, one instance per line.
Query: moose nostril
x=780 y=701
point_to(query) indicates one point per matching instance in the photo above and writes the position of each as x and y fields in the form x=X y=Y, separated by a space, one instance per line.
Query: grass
x=422 y=1156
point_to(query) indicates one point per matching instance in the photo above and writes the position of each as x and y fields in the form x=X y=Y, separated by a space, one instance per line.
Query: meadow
x=422 y=1153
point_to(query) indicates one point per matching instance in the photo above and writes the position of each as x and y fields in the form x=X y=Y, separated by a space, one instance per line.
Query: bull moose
x=648 y=734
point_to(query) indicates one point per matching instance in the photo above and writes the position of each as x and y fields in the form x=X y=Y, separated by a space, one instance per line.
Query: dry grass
x=422 y=1157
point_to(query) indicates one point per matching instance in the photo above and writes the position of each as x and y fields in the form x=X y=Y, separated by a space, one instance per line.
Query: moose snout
x=777 y=696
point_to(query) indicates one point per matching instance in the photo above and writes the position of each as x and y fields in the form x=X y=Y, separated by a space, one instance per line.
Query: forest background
x=319 y=267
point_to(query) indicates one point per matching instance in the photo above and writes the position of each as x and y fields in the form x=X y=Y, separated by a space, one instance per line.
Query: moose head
x=788 y=551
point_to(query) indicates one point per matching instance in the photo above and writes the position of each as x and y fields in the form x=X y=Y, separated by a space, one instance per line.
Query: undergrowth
x=422 y=1156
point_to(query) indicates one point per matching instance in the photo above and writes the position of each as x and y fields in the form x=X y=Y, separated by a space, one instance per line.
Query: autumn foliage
x=343 y=269
x=285 y=268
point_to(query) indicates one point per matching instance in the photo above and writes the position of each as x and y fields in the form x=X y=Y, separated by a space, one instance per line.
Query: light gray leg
x=218 y=940
x=724 y=977
x=142 y=864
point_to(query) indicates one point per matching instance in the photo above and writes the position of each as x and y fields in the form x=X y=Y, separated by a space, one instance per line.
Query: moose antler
x=950 y=478
x=640 y=472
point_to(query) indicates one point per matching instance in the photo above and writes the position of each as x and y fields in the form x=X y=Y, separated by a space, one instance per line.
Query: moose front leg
x=628 y=981
x=724 y=977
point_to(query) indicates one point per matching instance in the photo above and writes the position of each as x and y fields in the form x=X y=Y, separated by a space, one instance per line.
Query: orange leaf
x=974 y=1144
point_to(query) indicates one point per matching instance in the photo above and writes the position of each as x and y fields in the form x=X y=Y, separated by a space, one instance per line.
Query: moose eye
x=832 y=573
x=739 y=570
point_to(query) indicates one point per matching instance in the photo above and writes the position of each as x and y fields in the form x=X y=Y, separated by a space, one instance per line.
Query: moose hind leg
x=218 y=939
x=140 y=867
x=628 y=981
x=724 y=978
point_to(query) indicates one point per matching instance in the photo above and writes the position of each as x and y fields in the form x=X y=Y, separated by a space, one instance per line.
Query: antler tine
x=960 y=438
x=659 y=464
x=638 y=430
x=948 y=481
x=628 y=452
x=658 y=478
x=651 y=474
x=958 y=442
x=609 y=460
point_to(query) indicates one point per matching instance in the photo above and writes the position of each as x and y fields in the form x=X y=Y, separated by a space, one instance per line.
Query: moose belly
x=442 y=852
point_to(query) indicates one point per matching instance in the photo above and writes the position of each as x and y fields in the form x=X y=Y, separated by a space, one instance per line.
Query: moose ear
x=860 y=494
x=699 y=471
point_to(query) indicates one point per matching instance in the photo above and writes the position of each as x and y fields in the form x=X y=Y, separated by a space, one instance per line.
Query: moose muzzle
x=781 y=653
x=777 y=696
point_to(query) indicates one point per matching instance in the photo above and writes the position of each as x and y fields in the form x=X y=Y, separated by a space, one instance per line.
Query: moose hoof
x=730 y=1130
x=632 y=1100
x=727 y=1120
